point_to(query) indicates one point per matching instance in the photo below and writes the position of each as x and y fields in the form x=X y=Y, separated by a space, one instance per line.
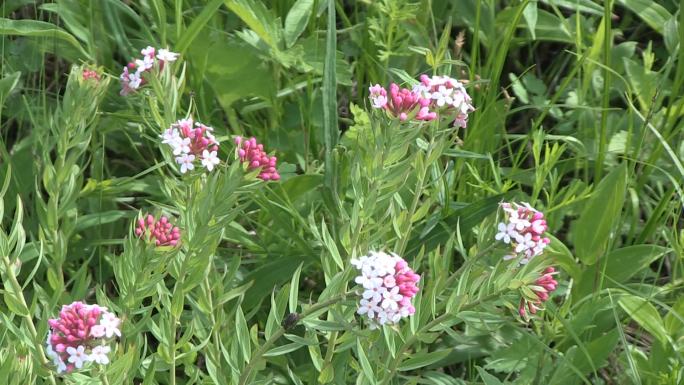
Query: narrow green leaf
x=242 y=334
x=488 y=378
x=196 y=26
x=294 y=289
x=330 y=129
x=530 y=15
x=365 y=364
x=420 y=360
x=280 y=350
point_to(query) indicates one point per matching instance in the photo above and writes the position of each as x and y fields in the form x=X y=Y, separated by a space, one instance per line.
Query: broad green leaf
x=645 y=314
x=419 y=360
x=36 y=28
x=7 y=84
x=257 y=17
x=296 y=20
x=593 y=229
x=654 y=14
x=530 y=15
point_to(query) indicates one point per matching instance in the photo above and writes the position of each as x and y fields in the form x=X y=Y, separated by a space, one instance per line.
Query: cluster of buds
x=191 y=141
x=432 y=97
x=540 y=290
x=131 y=77
x=523 y=230
x=388 y=284
x=82 y=334
x=252 y=153
x=161 y=232
x=89 y=74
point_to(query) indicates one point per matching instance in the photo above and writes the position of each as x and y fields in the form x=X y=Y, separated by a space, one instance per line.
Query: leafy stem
x=414 y=338
x=256 y=356
x=29 y=320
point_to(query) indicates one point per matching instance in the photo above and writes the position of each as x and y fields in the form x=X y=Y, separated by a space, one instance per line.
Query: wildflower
x=166 y=55
x=162 y=233
x=100 y=354
x=378 y=96
x=90 y=74
x=523 y=230
x=131 y=81
x=541 y=289
x=388 y=286
x=252 y=153
x=449 y=96
x=80 y=335
x=191 y=141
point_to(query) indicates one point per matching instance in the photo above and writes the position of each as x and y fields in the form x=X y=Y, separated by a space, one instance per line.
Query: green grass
x=578 y=112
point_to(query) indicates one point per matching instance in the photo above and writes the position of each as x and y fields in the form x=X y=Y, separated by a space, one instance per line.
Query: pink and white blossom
x=522 y=229
x=388 y=284
x=191 y=141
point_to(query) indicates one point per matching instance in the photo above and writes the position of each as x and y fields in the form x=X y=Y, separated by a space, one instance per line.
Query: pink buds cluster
x=81 y=335
x=161 y=232
x=252 y=153
x=90 y=74
x=131 y=77
x=541 y=289
x=523 y=230
x=192 y=141
x=388 y=284
x=433 y=96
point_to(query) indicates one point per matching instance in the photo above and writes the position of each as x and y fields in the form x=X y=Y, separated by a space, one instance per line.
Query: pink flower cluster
x=191 y=142
x=433 y=96
x=90 y=74
x=542 y=287
x=131 y=77
x=162 y=232
x=389 y=284
x=80 y=335
x=523 y=230
x=252 y=153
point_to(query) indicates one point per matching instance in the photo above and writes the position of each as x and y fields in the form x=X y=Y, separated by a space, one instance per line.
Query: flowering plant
x=191 y=143
x=132 y=75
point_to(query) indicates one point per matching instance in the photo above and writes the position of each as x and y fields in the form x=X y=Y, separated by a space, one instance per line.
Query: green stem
x=18 y=292
x=256 y=356
x=414 y=338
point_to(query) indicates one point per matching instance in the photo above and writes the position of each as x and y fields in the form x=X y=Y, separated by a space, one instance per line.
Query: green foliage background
x=579 y=111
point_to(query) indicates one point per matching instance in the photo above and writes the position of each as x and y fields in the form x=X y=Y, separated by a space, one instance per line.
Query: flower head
x=74 y=340
x=131 y=81
x=523 y=230
x=388 y=286
x=162 y=233
x=166 y=55
x=191 y=141
x=253 y=154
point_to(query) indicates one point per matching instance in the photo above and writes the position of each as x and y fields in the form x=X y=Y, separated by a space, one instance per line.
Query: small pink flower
x=161 y=232
x=253 y=154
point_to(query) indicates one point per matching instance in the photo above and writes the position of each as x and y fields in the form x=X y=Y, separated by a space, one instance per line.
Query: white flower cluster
x=190 y=142
x=388 y=287
x=446 y=92
x=522 y=229
x=131 y=81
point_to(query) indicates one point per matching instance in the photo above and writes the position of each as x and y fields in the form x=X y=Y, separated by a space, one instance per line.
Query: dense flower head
x=89 y=74
x=161 y=232
x=432 y=97
x=190 y=142
x=388 y=284
x=132 y=75
x=81 y=334
x=542 y=288
x=252 y=153
x=523 y=229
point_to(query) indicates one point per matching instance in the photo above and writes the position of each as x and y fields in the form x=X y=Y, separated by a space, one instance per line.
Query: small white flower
x=210 y=159
x=443 y=96
x=147 y=51
x=506 y=232
x=391 y=298
x=77 y=356
x=185 y=162
x=379 y=101
x=374 y=294
x=520 y=223
x=389 y=281
x=166 y=55
x=524 y=243
x=59 y=363
x=134 y=81
x=97 y=331
x=111 y=323
x=369 y=308
x=100 y=354
x=181 y=146
x=144 y=64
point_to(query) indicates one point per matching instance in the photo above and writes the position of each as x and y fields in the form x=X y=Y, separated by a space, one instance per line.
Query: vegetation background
x=579 y=111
